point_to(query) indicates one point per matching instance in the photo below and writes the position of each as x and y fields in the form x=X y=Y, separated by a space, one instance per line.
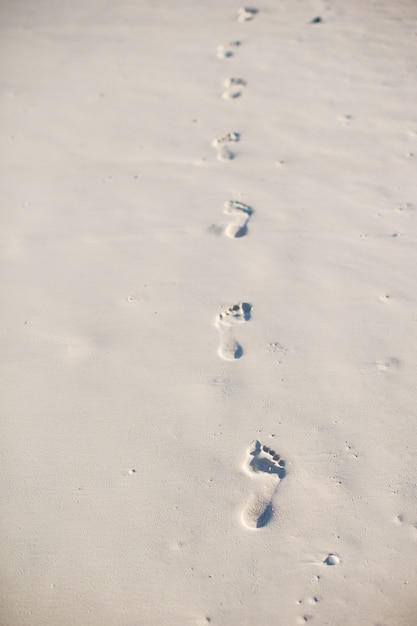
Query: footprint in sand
x=391 y=363
x=233 y=88
x=242 y=213
x=268 y=469
x=229 y=348
x=226 y=50
x=246 y=14
x=221 y=144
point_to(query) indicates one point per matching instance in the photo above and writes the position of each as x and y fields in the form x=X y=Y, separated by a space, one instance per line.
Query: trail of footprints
x=240 y=212
x=227 y=50
x=264 y=466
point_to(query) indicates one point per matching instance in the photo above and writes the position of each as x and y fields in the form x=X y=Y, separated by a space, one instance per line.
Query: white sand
x=116 y=268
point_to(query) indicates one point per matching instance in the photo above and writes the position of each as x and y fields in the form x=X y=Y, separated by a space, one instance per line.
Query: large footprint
x=229 y=348
x=268 y=469
x=242 y=213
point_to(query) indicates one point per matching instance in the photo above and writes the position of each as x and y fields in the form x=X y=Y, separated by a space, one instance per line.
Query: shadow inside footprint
x=246 y=308
x=241 y=232
x=238 y=352
x=229 y=349
x=265 y=517
x=235 y=231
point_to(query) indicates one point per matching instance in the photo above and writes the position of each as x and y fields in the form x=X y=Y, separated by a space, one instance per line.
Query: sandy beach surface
x=209 y=313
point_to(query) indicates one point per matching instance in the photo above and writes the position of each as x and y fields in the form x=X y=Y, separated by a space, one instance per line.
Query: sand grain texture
x=124 y=430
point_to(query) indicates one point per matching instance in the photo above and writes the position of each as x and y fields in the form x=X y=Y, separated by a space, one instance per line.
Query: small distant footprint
x=242 y=213
x=233 y=88
x=229 y=348
x=221 y=144
x=391 y=363
x=268 y=469
x=407 y=206
x=246 y=14
x=226 y=50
